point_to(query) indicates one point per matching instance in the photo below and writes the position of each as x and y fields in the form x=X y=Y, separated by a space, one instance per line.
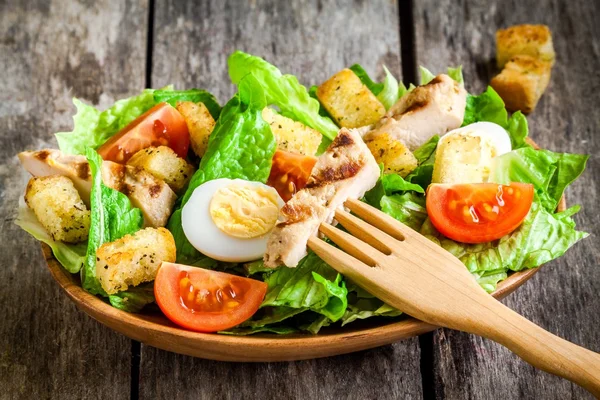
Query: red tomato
x=290 y=172
x=162 y=125
x=203 y=300
x=478 y=212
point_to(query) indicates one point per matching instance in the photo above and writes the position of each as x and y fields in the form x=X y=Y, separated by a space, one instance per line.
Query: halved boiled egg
x=230 y=219
x=464 y=155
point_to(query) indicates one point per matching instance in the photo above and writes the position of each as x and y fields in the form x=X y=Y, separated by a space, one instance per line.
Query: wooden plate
x=156 y=330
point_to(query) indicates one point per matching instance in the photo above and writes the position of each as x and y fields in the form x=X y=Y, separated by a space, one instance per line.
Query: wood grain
x=49 y=52
x=563 y=297
x=313 y=40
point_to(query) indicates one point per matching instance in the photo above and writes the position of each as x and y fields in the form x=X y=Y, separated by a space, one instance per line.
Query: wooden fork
x=413 y=274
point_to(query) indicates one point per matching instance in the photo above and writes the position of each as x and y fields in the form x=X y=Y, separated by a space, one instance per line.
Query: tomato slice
x=290 y=172
x=203 y=300
x=478 y=212
x=162 y=125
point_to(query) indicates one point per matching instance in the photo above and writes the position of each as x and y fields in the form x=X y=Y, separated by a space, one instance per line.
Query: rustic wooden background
x=103 y=50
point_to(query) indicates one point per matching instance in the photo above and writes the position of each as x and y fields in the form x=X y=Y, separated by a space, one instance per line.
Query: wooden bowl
x=156 y=330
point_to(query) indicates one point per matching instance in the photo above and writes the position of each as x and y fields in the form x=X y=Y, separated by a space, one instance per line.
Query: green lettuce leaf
x=425 y=155
x=134 y=299
x=70 y=256
x=454 y=73
x=542 y=237
x=549 y=172
x=240 y=146
x=366 y=308
x=388 y=91
x=312 y=285
x=193 y=95
x=408 y=208
x=389 y=184
x=283 y=91
x=244 y=331
x=112 y=217
x=92 y=127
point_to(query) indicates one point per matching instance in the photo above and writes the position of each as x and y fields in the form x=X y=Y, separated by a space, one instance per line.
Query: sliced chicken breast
x=146 y=192
x=346 y=170
x=431 y=109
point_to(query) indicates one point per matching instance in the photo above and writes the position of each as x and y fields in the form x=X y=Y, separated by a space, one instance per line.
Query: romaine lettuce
x=454 y=73
x=240 y=146
x=388 y=91
x=112 y=217
x=70 y=256
x=283 y=91
x=549 y=172
x=193 y=95
x=92 y=127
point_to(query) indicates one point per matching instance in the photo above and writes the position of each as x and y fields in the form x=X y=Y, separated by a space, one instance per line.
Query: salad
x=168 y=197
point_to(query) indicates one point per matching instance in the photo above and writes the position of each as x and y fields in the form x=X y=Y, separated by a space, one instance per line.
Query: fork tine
x=380 y=220
x=352 y=245
x=342 y=262
x=365 y=232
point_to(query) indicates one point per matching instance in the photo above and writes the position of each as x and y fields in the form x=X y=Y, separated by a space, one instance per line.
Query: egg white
x=207 y=238
x=488 y=131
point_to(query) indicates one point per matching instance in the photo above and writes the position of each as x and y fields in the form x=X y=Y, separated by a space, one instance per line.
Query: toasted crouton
x=59 y=208
x=396 y=158
x=133 y=259
x=462 y=158
x=199 y=122
x=531 y=40
x=348 y=101
x=522 y=82
x=292 y=136
x=163 y=163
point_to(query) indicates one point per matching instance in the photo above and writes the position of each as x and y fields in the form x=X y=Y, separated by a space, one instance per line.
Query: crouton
x=133 y=259
x=531 y=40
x=396 y=157
x=163 y=163
x=199 y=122
x=292 y=136
x=348 y=101
x=59 y=208
x=462 y=158
x=522 y=82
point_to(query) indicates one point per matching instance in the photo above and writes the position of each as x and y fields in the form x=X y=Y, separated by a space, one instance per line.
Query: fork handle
x=537 y=346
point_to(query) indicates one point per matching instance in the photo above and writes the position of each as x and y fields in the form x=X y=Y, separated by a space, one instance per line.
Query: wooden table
x=104 y=50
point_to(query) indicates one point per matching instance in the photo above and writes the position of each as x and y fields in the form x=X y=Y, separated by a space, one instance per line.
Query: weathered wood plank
x=312 y=40
x=49 y=52
x=563 y=297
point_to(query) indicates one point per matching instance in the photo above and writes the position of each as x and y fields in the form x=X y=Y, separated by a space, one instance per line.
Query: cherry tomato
x=206 y=301
x=162 y=125
x=478 y=212
x=290 y=172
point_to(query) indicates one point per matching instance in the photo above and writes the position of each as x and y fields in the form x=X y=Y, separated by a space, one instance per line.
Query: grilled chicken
x=146 y=192
x=431 y=109
x=346 y=170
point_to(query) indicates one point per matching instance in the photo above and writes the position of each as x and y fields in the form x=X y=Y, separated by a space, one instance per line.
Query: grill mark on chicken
x=82 y=170
x=332 y=175
x=415 y=106
x=155 y=190
x=42 y=154
x=341 y=140
x=295 y=213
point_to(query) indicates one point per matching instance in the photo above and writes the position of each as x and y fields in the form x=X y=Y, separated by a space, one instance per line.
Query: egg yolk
x=243 y=211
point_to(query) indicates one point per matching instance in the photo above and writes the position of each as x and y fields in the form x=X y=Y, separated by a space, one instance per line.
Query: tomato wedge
x=206 y=301
x=478 y=212
x=290 y=172
x=162 y=125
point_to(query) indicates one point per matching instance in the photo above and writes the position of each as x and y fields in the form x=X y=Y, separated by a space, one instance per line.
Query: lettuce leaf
x=425 y=154
x=366 y=308
x=112 y=217
x=312 y=285
x=70 y=256
x=283 y=91
x=91 y=127
x=542 y=237
x=454 y=73
x=240 y=146
x=133 y=299
x=193 y=95
x=388 y=91
x=549 y=172
x=408 y=208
